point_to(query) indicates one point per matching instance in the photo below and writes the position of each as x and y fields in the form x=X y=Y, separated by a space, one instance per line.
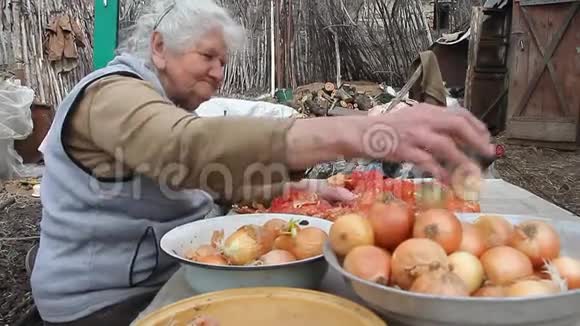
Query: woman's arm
x=130 y=121
x=234 y=158
x=426 y=135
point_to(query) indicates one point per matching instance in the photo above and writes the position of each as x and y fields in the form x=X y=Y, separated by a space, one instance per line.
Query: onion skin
x=284 y=242
x=533 y=277
x=490 y=291
x=441 y=226
x=440 y=282
x=414 y=257
x=537 y=239
x=276 y=226
x=276 y=257
x=266 y=239
x=202 y=251
x=472 y=240
x=369 y=263
x=569 y=269
x=213 y=260
x=504 y=265
x=541 y=274
x=337 y=180
x=246 y=245
x=392 y=223
x=468 y=267
x=350 y=231
x=526 y=288
x=309 y=242
x=496 y=230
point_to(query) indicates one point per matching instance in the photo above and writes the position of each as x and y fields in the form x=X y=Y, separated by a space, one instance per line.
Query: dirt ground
x=18 y=233
x=553 y=175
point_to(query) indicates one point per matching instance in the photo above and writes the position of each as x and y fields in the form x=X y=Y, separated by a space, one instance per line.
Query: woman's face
x=193 y=76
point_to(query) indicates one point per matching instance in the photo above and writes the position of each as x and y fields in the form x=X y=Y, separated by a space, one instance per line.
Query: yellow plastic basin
x=265 y=307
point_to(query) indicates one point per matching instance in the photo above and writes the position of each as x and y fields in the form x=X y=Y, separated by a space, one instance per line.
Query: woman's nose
x=217 y=73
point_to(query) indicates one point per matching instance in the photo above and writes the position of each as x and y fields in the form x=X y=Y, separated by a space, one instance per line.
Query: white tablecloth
x=498 y=196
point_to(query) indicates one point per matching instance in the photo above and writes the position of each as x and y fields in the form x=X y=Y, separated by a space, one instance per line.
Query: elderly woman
x=127 y=159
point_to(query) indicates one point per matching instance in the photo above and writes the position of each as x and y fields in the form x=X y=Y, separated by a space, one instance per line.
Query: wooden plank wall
x=544 y=118
x=22 y=53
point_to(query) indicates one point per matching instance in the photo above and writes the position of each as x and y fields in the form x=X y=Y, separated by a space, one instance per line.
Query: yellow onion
x=276 y=257
x=503 y=265
x=414 y=257
x=309 y=242
x=440 y=282
x=490 y=291
x=528 y=288
x=247 y=244
x=567 y=268
x=468 y=268
x=276 y=226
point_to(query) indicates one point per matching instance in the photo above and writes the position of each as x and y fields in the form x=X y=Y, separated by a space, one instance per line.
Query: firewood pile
x=330 y=98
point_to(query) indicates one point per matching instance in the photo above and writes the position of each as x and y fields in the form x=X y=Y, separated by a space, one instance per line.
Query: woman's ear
x=158 y=51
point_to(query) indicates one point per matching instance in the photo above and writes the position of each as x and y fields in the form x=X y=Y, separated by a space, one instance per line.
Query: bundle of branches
x=330 y=97
x=374 y=40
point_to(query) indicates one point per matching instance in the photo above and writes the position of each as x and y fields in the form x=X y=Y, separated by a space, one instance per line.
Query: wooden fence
x=322 y=40
x=24 y=44
x=374 y=40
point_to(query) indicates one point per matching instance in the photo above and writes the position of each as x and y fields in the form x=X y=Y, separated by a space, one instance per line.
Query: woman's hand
x=426 y=135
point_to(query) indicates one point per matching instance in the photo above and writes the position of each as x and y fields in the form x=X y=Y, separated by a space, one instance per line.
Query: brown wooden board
x=544 y=96
x=486 y=80
x=452 y=61
x=476 y=20
x=550 y=130
x=554 y=145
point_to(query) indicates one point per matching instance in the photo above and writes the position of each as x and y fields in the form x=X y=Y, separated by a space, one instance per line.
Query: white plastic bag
x=15 y=124
x=219 y=107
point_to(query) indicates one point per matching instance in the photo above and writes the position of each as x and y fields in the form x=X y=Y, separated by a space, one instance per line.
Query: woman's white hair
x=181 y=23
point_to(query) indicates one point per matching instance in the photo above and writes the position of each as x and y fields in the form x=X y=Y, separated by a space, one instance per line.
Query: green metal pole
x=106 y=32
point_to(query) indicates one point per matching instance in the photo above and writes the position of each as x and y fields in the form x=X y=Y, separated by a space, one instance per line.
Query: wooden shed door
x=544 y=93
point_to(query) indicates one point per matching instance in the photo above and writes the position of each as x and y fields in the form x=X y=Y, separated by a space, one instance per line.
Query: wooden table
x=498 y=196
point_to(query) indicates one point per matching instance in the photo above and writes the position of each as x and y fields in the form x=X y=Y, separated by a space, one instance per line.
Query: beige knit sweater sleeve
x=123 y=126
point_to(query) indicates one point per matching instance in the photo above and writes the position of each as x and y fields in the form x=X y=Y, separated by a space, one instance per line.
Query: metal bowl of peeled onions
x=444 y=268
x=250 y=250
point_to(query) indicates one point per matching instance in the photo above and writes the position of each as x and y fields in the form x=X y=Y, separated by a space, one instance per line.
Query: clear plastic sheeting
x=15 y=124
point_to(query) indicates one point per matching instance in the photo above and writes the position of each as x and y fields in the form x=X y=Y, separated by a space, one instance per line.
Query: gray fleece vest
x=99 y=240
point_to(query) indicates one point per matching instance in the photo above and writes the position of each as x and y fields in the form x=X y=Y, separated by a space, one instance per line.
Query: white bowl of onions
x=253 y=250
x=464 y=269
